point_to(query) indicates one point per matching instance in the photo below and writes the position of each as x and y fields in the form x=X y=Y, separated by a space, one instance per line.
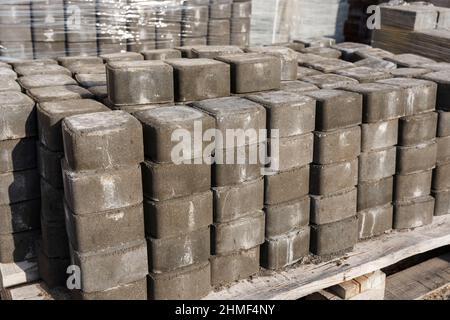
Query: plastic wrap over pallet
x=275 y=21
x=53 y=28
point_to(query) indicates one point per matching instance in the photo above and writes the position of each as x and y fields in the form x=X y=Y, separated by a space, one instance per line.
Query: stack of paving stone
x=104 y=204
x=194 y=23
x=334 y=172
x=19 y=178
x=219 y=26
x=15 y=29
x=416 y=154
x=178 y=203
x=288 y=59
x=81 y=27
x=291 y=120
x=112 y=30
x=441 y=176
x=383 y=105
x=240 y=22
x=49 y=39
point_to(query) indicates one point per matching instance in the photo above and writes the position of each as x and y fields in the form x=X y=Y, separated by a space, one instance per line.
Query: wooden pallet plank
x=367 y=256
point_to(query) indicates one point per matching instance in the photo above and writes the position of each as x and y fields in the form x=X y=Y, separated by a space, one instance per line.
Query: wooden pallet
x=367 y=256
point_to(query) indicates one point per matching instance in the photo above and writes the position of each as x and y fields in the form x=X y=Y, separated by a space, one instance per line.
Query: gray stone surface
x=416 y=158
x=334 y=207
x=241 y=234
x=327 y=65
x=443 y=149
x=375 y=193
x=47 y=80
x=131 y=291
x=59 y=93
x=298 y=87
x=18 y=217
x=161 y=54
x=212 y=52
x=441 y=177
x=331 y=178
x=348 y=49
x=31 y=70
x=442 y=78
x=19 y=116
x=102 y=140
x=413 y=185
x=19 y=186
x=442 y=202
x=375 y=221
x=376 y=165
x=88 y=80
x=323 y=52
x=287 y=57
x=19 y=246
x=286 y=186
x=226 y=269
x=329 y=81
x=379 y=135
x=71 y=60
x=417 y=129
x=7 y=84
x=291 y=152
x=365 y=74
x=140 y=82
x=122 y=56
x=414 y=213
x=17 y=154
x=409 y=72
x=443 y=124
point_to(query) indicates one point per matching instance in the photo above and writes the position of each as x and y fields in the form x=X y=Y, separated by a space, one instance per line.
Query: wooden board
x=367 y=256
x=419 y=280
x=13 y=274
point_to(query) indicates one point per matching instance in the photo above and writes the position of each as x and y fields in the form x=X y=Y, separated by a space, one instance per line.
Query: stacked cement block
x=15 y=30
x=19 y=178
x=334 y=172
x=194 y=23
x=291 y=120
x=143 y=26
x=383 y=105
x=112 y=32
x=238 y=188
x=219 y=27
x=178 y=203
x=416 y=154
x=240 y=22
x=104 y=204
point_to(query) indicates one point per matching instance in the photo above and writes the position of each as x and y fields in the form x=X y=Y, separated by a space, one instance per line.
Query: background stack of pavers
x=19 y=178
x=219 y=26
x=334 y=172
x=194 y=24
x=112 y=31
x=287 y=202
x=240 y=22
x=416 y=154
x=178 y=203
x=168 y=26
x=104 y=204
x=441 y=176
x=383 y=104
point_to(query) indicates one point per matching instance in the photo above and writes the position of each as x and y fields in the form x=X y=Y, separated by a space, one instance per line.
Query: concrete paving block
x=408 y=60
x=364 y=74
x=286 y=56
x=420 y=94
x=441 y=177
x=19 y=246
x=381 y=102
x=32 y=70
x=170 y=254
x=298 y=87
x=336 y=109
x=334 y=237
x=290 y=113
x=442 y=202
x=334 y=207
x=139 y=82
x=244 y=67
x=286 y=186
x=92 y=191
x=443 y=124
x=212 y=52
x=91 y=68
x=7 y=74
x=161 y=54
x=111 y=267
x=51 y=114
x=18 y=217
x=442 y=79
x=329 y=81
x=286 y=217
x=416 y=158
x=331 y=178
x=7 y=85
x=217 y=29
x=409 y=72
x=17 y=154
x=336 y=146
x=414 y=213
x=292 y=152
x=212 y=79
x=191 y=283
x=323 y=52
x=164 y=219
x=417 y=129
x=88 y=80
x=99 y=92
x=136 y=290
x=241 y=234
x=235 y=201
x=377 y=63
x=54 y=242
x=375 y=193
x=349 y=49
x=316 y=41
x=19 y=186
x=364 y=53
x=304 y=72
x=52 y=202
x=376 y=165
x=19 y=116
x=92 y=232
x=443 y=149
x=121 y=56
x=98 y=140
x=46 y=80
x=49 y=164
x=53 y=270
x=327 y=65
x=160 y=126
x=59 y=93
x=136 y=108
x=285 y=250
x=375 y=221
x=226 y=269
x=169 y=181
x=224 y=10
x=77 y=60
x=379 y=135
x=234 y=113
x=413 y=185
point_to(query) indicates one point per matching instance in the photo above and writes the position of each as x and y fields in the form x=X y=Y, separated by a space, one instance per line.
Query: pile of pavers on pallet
x=146 y=194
